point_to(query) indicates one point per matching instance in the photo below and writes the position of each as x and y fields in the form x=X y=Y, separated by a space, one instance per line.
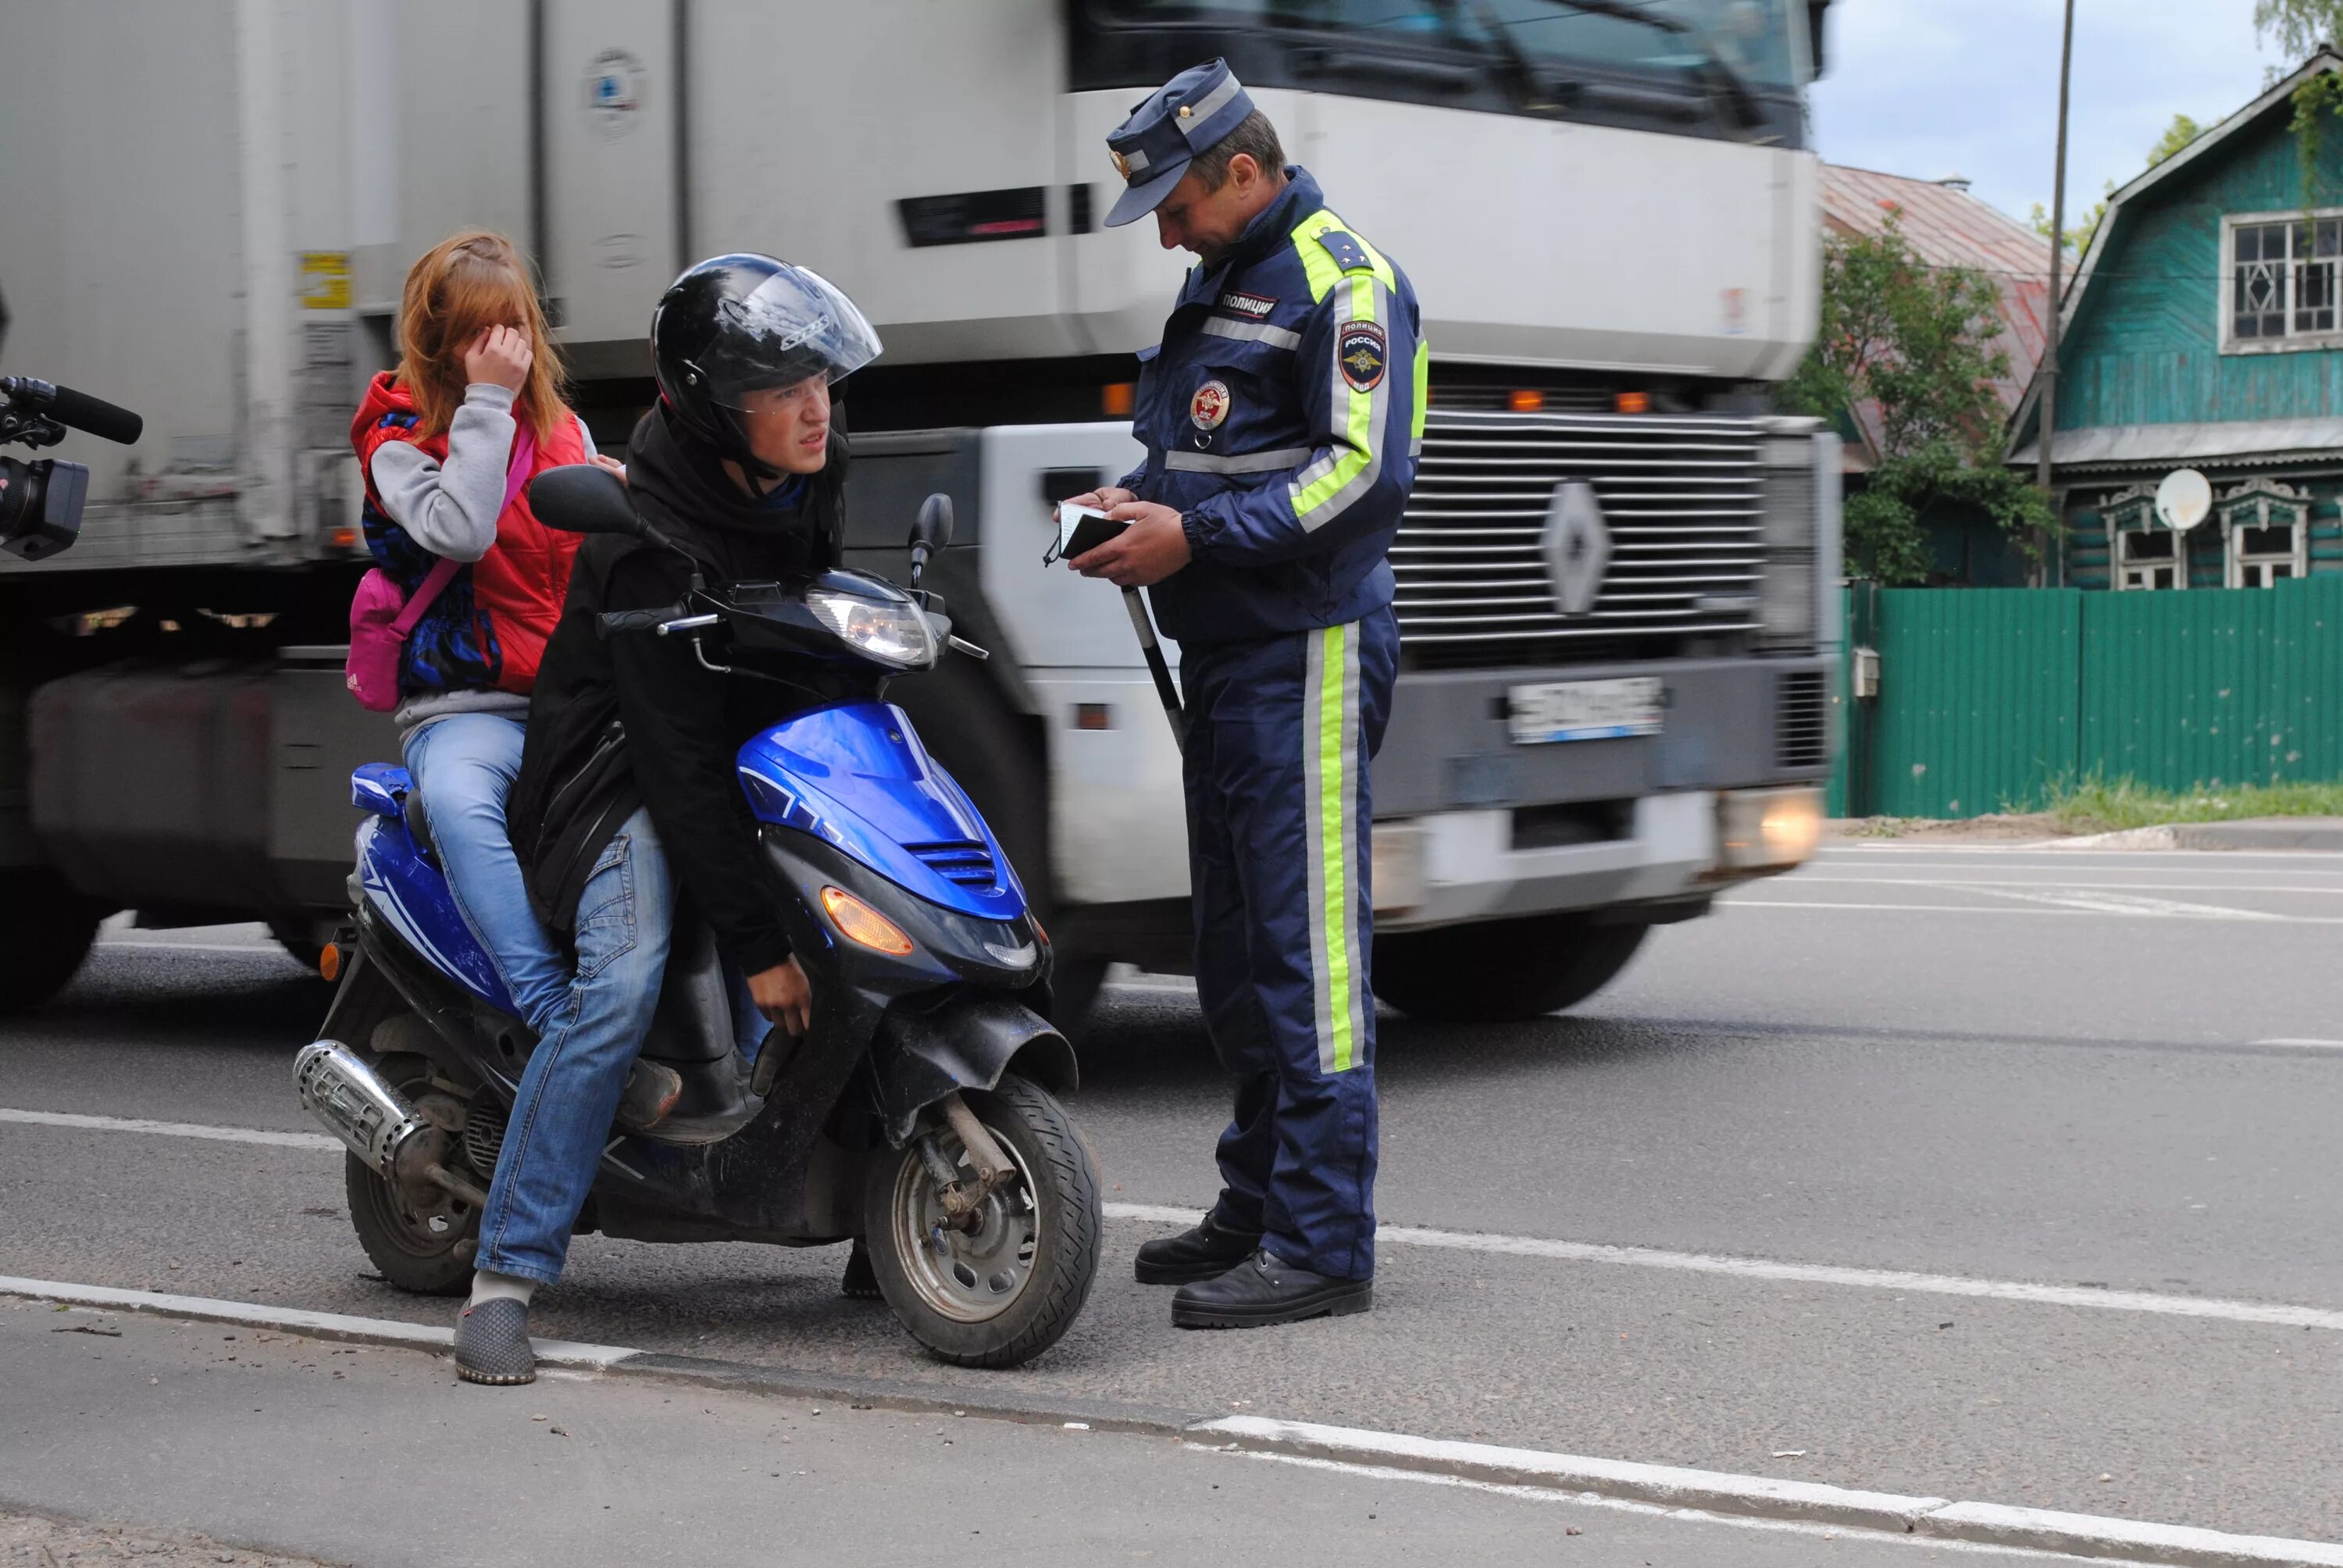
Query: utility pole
x=2046 y=422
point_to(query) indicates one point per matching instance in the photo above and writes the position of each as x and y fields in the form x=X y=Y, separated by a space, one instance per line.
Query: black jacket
x=632 y=720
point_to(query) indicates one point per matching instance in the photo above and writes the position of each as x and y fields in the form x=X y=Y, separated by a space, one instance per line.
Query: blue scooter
x=918 y=1115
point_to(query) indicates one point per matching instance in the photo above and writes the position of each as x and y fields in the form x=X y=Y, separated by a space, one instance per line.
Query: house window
x=2268 y=524
x=2282 y=283
x=2149 y=558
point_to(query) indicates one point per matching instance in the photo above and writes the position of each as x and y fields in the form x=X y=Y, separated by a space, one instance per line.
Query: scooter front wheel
x=999 y=1284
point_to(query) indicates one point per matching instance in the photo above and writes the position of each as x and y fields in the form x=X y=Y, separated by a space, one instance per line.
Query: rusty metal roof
x=1947 y=226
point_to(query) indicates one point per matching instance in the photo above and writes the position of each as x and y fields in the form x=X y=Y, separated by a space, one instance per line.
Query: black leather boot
x=1203 y=1252
x=492 y=1342
x=1264 y=1291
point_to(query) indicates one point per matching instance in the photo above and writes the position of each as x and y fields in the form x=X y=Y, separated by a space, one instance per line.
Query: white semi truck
x=1616 y=575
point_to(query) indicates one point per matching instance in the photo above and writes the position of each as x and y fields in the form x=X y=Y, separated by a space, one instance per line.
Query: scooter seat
x=418 y=825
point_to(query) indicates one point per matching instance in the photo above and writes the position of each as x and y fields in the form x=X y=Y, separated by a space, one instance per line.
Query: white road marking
x=1806 y=880
x=2070 y=910
x=326 y=1325
x=2129 y=904
x=170 y=1129
x=2282 y=1316
x=1705 y=1493
x=1593 y=1499
x=242 y=952
x=2307 y=1044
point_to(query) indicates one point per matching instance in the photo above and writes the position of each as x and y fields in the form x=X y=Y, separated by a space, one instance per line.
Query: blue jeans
x=463 y=766
x=570 y=1091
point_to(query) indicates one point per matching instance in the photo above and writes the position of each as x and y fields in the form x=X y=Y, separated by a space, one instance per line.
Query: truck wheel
x=1005 y=1287
x=1501 y=971
x=421 y=1240
x=46 y=930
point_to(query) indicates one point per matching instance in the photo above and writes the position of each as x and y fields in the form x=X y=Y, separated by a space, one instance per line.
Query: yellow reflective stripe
x=1423 y=387
x=1335 y=669
x=1316 y=265
x=1359 y=425
x=1320 y=267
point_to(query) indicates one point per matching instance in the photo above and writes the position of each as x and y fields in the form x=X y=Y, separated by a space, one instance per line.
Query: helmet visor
x=795 y=327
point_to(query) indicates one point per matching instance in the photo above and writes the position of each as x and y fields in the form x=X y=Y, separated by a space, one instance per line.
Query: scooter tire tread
x=1057 y=1154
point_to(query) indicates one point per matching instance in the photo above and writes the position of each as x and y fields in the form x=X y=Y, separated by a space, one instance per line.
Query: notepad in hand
x=1081 y=529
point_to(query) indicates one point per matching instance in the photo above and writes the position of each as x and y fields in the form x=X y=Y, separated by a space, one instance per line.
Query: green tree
x=2177 y=135
x=1917 y=342
x=2299 y=25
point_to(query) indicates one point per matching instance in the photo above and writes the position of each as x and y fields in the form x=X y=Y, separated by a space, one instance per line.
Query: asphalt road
x=1999 y=1069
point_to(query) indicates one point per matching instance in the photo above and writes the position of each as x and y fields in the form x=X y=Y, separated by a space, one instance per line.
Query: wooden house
x=2204 y=331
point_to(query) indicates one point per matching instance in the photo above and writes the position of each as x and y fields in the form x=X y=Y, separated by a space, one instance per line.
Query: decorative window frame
x=2224 y=291
x=2133 y=511
x=2261 y=504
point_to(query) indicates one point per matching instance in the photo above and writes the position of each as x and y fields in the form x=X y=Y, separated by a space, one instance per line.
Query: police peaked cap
x=1194 y=111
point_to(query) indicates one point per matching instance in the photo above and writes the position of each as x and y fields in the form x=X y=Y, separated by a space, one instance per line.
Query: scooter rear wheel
x=1003 y=1290
x=420 y=1243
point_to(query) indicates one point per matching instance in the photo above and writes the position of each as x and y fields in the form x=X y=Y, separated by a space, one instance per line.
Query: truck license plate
x=1585 y=710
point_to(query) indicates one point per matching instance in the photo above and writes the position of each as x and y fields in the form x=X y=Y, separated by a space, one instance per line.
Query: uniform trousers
x=1279 y=734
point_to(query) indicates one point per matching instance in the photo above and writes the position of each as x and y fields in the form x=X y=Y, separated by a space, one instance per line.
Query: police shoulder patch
x=1348 y=253
x=1361 y=350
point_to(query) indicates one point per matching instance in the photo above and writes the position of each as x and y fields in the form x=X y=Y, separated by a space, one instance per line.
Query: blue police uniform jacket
x=1282 y=415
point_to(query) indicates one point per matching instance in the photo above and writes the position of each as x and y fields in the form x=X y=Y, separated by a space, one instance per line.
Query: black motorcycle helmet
x=734 y=324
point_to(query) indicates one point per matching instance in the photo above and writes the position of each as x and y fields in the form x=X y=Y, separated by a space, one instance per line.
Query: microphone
x=78 y=410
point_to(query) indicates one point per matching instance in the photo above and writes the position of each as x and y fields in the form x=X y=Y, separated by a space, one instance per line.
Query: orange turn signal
x=1526 y=401
x=1635 y=403
x=1118 y=398
x=859 y=922
x=330 y=961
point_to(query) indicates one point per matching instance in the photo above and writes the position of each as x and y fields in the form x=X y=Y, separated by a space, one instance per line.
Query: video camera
x=40 y=503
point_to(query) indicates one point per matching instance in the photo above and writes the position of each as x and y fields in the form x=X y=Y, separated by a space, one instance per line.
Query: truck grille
x=1680 y=499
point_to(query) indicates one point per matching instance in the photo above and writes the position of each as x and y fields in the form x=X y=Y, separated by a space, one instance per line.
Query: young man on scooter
x=627 y=799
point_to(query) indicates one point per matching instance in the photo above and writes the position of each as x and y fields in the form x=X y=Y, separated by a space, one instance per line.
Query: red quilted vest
x=497 y=613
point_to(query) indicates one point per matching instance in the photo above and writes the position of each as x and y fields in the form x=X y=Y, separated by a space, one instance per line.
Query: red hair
x=462 y=287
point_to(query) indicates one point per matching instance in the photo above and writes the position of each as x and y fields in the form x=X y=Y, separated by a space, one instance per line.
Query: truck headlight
x=1761 y=830
x=893 y=631
x=1786 y=595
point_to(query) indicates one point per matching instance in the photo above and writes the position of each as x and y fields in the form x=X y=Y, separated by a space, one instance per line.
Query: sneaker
x=1264 y=1291
x=1203 y=1252
x=492 y=1344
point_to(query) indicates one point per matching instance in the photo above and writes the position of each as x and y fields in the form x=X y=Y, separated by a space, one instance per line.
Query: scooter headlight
x=892 y=631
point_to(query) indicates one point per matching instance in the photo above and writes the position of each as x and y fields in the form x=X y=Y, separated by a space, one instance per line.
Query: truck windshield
x=1664 y=67
x=1752 y=36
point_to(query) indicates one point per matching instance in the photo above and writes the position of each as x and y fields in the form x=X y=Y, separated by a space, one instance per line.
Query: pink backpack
x=381 y=616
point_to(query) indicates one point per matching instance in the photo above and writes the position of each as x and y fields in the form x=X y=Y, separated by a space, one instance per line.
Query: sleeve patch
x=1348 y=253
x=1363 y=352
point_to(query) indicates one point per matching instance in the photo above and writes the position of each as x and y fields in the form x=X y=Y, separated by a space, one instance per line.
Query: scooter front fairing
x=856 y=776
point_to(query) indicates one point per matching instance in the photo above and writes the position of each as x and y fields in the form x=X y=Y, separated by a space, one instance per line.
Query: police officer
x=1281 y=416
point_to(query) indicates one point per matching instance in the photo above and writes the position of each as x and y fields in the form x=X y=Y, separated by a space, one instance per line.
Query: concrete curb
x=1711 y=1492
x=2294 y=835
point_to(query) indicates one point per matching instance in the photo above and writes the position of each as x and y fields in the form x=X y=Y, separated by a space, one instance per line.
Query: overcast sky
x=1933 y=87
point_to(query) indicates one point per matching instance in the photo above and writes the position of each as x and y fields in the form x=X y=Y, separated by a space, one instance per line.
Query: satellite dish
x=2184 y=499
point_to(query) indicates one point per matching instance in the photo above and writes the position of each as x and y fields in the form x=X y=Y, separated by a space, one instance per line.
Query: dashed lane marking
x=2090 y=1297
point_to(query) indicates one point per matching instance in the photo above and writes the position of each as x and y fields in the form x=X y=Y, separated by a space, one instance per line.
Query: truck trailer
x=1616 y=576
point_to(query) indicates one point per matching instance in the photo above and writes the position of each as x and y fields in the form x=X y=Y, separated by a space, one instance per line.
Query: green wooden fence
x=1988 y=695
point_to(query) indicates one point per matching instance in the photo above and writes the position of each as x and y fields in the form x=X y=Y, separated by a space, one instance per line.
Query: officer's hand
x=1099 y=500
x=1153 y=547
x=784 y=996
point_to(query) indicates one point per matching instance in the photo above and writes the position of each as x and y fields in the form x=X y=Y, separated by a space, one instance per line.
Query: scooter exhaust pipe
x=369 y=1116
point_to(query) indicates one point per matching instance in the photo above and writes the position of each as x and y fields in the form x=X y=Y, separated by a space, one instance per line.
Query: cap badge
x=1209 y=406
x=1121 y=164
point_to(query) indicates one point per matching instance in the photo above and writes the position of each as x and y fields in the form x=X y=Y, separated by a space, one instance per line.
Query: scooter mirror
x=934 y=527
x=582 y=499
